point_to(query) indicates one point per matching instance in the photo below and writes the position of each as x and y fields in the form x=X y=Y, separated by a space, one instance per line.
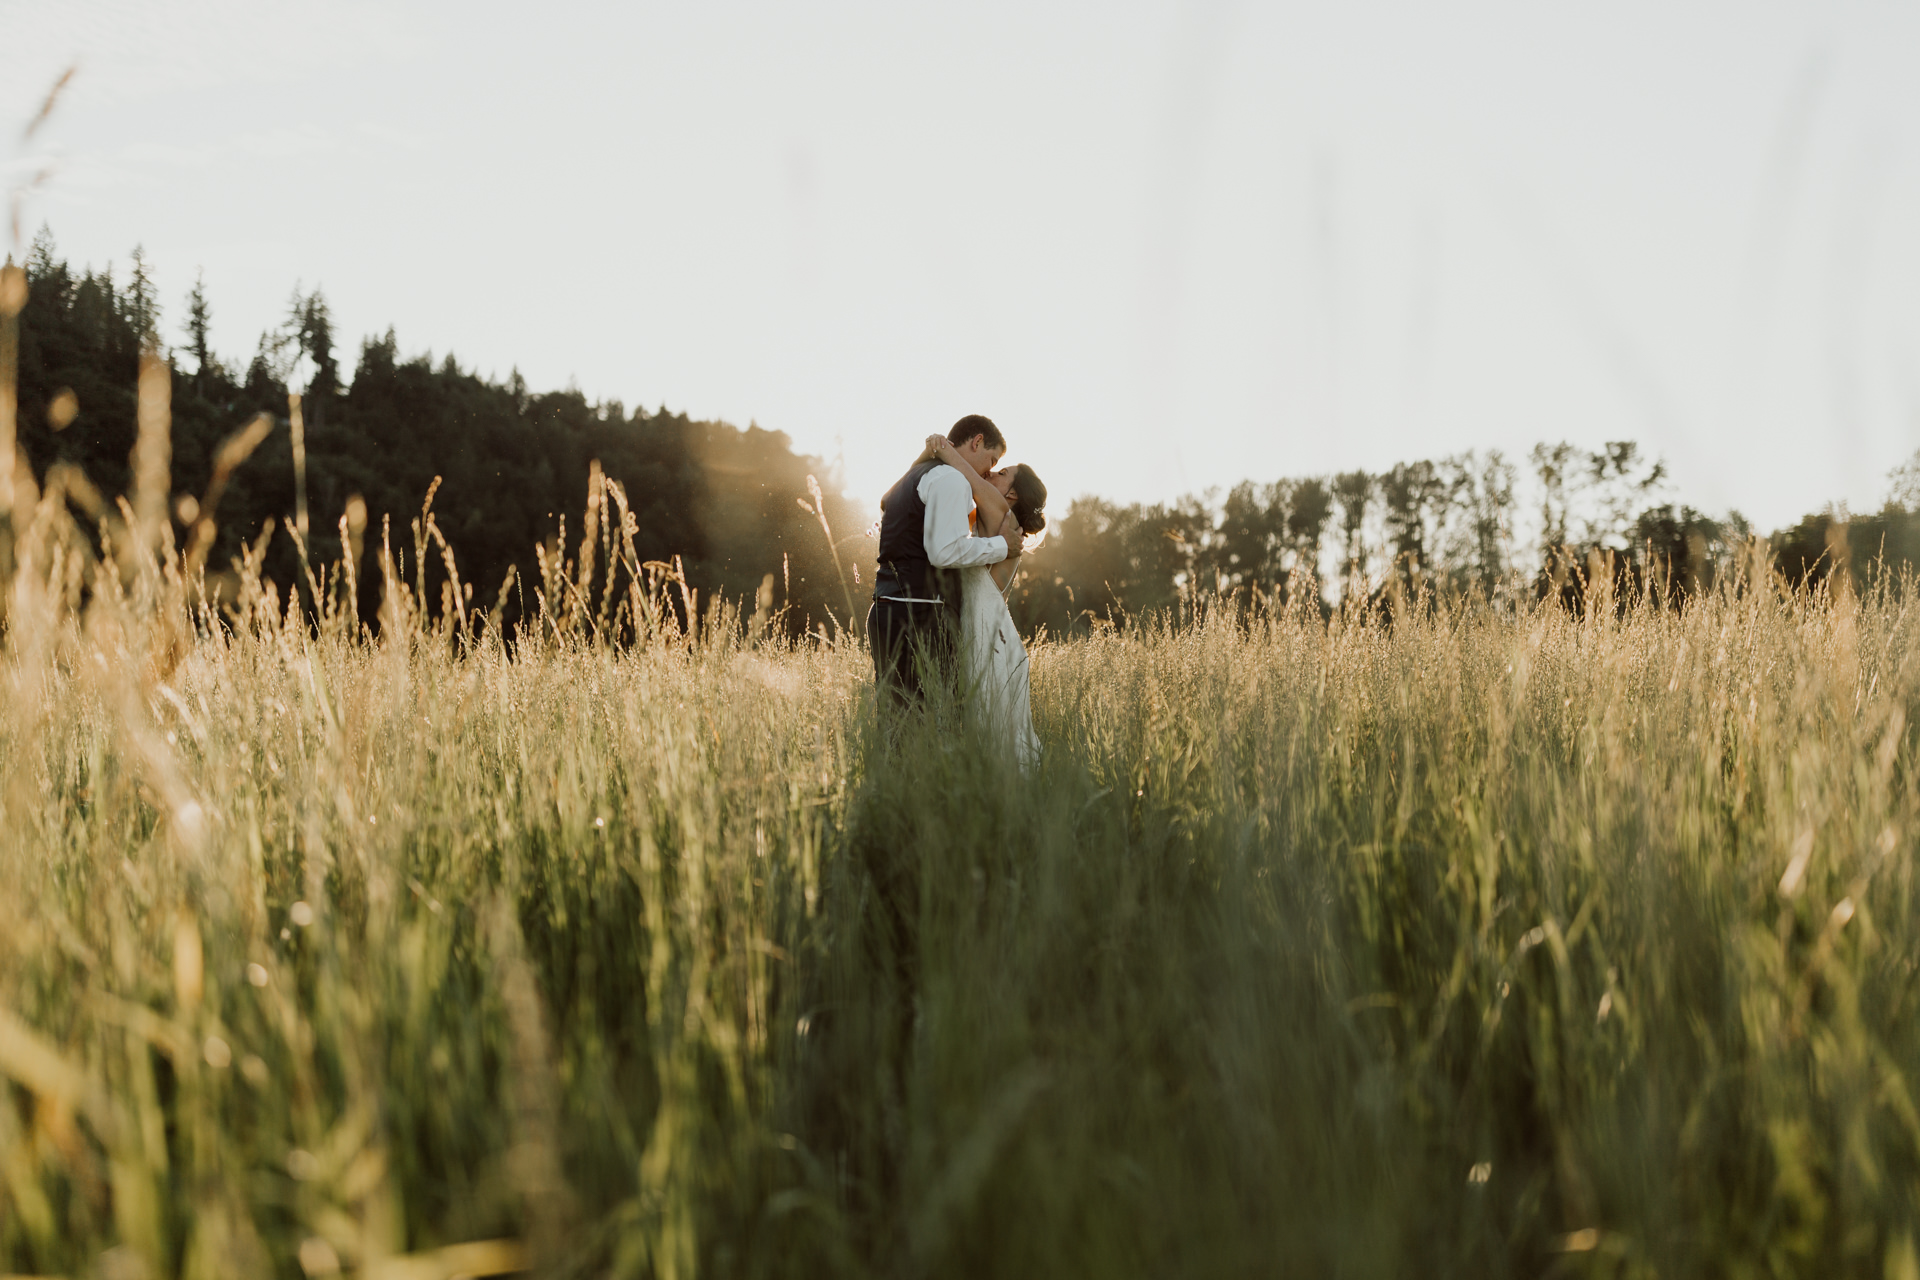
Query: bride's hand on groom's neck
x=1014 y=535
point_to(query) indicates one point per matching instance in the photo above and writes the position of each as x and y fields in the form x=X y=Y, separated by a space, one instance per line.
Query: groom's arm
x=950 y=543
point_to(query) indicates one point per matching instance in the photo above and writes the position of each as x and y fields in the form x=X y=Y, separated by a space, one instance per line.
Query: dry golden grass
x=1475 y=944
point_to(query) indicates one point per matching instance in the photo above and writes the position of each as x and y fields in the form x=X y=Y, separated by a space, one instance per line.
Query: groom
x=924 y=541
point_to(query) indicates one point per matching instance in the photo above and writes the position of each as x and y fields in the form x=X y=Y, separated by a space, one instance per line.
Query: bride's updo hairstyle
x=1028 y=499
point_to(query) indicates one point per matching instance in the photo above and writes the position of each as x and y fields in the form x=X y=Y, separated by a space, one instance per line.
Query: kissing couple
x=952 y=532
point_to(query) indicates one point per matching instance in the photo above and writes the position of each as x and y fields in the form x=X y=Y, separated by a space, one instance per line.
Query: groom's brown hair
x=977 y=424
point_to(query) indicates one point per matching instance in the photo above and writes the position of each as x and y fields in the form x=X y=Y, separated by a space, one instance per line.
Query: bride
x=993 y=660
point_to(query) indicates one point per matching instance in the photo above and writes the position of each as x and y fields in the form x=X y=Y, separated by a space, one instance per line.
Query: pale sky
x=1165 y=246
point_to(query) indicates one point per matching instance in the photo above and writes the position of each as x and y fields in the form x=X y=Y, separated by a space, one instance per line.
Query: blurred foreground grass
x=1473 y=945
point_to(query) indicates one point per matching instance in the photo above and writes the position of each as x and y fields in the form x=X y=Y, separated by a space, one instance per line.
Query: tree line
x=737 y=512
x=1467 y=524
x=739 y=515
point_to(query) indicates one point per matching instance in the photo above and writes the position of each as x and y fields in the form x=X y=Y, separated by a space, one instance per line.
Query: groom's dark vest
x=904 y=567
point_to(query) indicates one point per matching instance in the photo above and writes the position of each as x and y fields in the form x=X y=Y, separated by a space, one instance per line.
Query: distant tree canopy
x=514 y=463
x=1447 y=525
x=738 y=512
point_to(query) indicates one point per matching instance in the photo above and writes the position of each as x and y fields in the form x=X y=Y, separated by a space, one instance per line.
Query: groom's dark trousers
x=911 y=641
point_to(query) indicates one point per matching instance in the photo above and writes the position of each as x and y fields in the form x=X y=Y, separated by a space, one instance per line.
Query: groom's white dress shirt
x=945 y=533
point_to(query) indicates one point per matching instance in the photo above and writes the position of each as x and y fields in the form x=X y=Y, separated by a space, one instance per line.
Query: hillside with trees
x=745 y=517
x=513 y=462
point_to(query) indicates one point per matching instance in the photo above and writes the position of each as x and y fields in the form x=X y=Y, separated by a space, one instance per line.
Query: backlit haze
x=1166 y=247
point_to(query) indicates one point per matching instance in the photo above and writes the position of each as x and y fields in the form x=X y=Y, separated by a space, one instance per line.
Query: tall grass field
x=1469 y=943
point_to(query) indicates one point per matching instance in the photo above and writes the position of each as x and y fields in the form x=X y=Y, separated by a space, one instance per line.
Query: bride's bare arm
x=1004 y=571
x=993 y=507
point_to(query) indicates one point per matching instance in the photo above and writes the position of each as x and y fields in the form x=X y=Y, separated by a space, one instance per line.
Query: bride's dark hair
x=1028 y=499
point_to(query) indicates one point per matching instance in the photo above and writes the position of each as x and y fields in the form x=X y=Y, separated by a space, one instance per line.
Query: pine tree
x=41 y=262
x=266 y=381
x=199 y=317
x=306 y=338
x=142 y=307
x=316 y=334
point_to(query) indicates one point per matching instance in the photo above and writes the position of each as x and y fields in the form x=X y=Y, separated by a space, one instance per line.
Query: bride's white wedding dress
x=995 y=663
